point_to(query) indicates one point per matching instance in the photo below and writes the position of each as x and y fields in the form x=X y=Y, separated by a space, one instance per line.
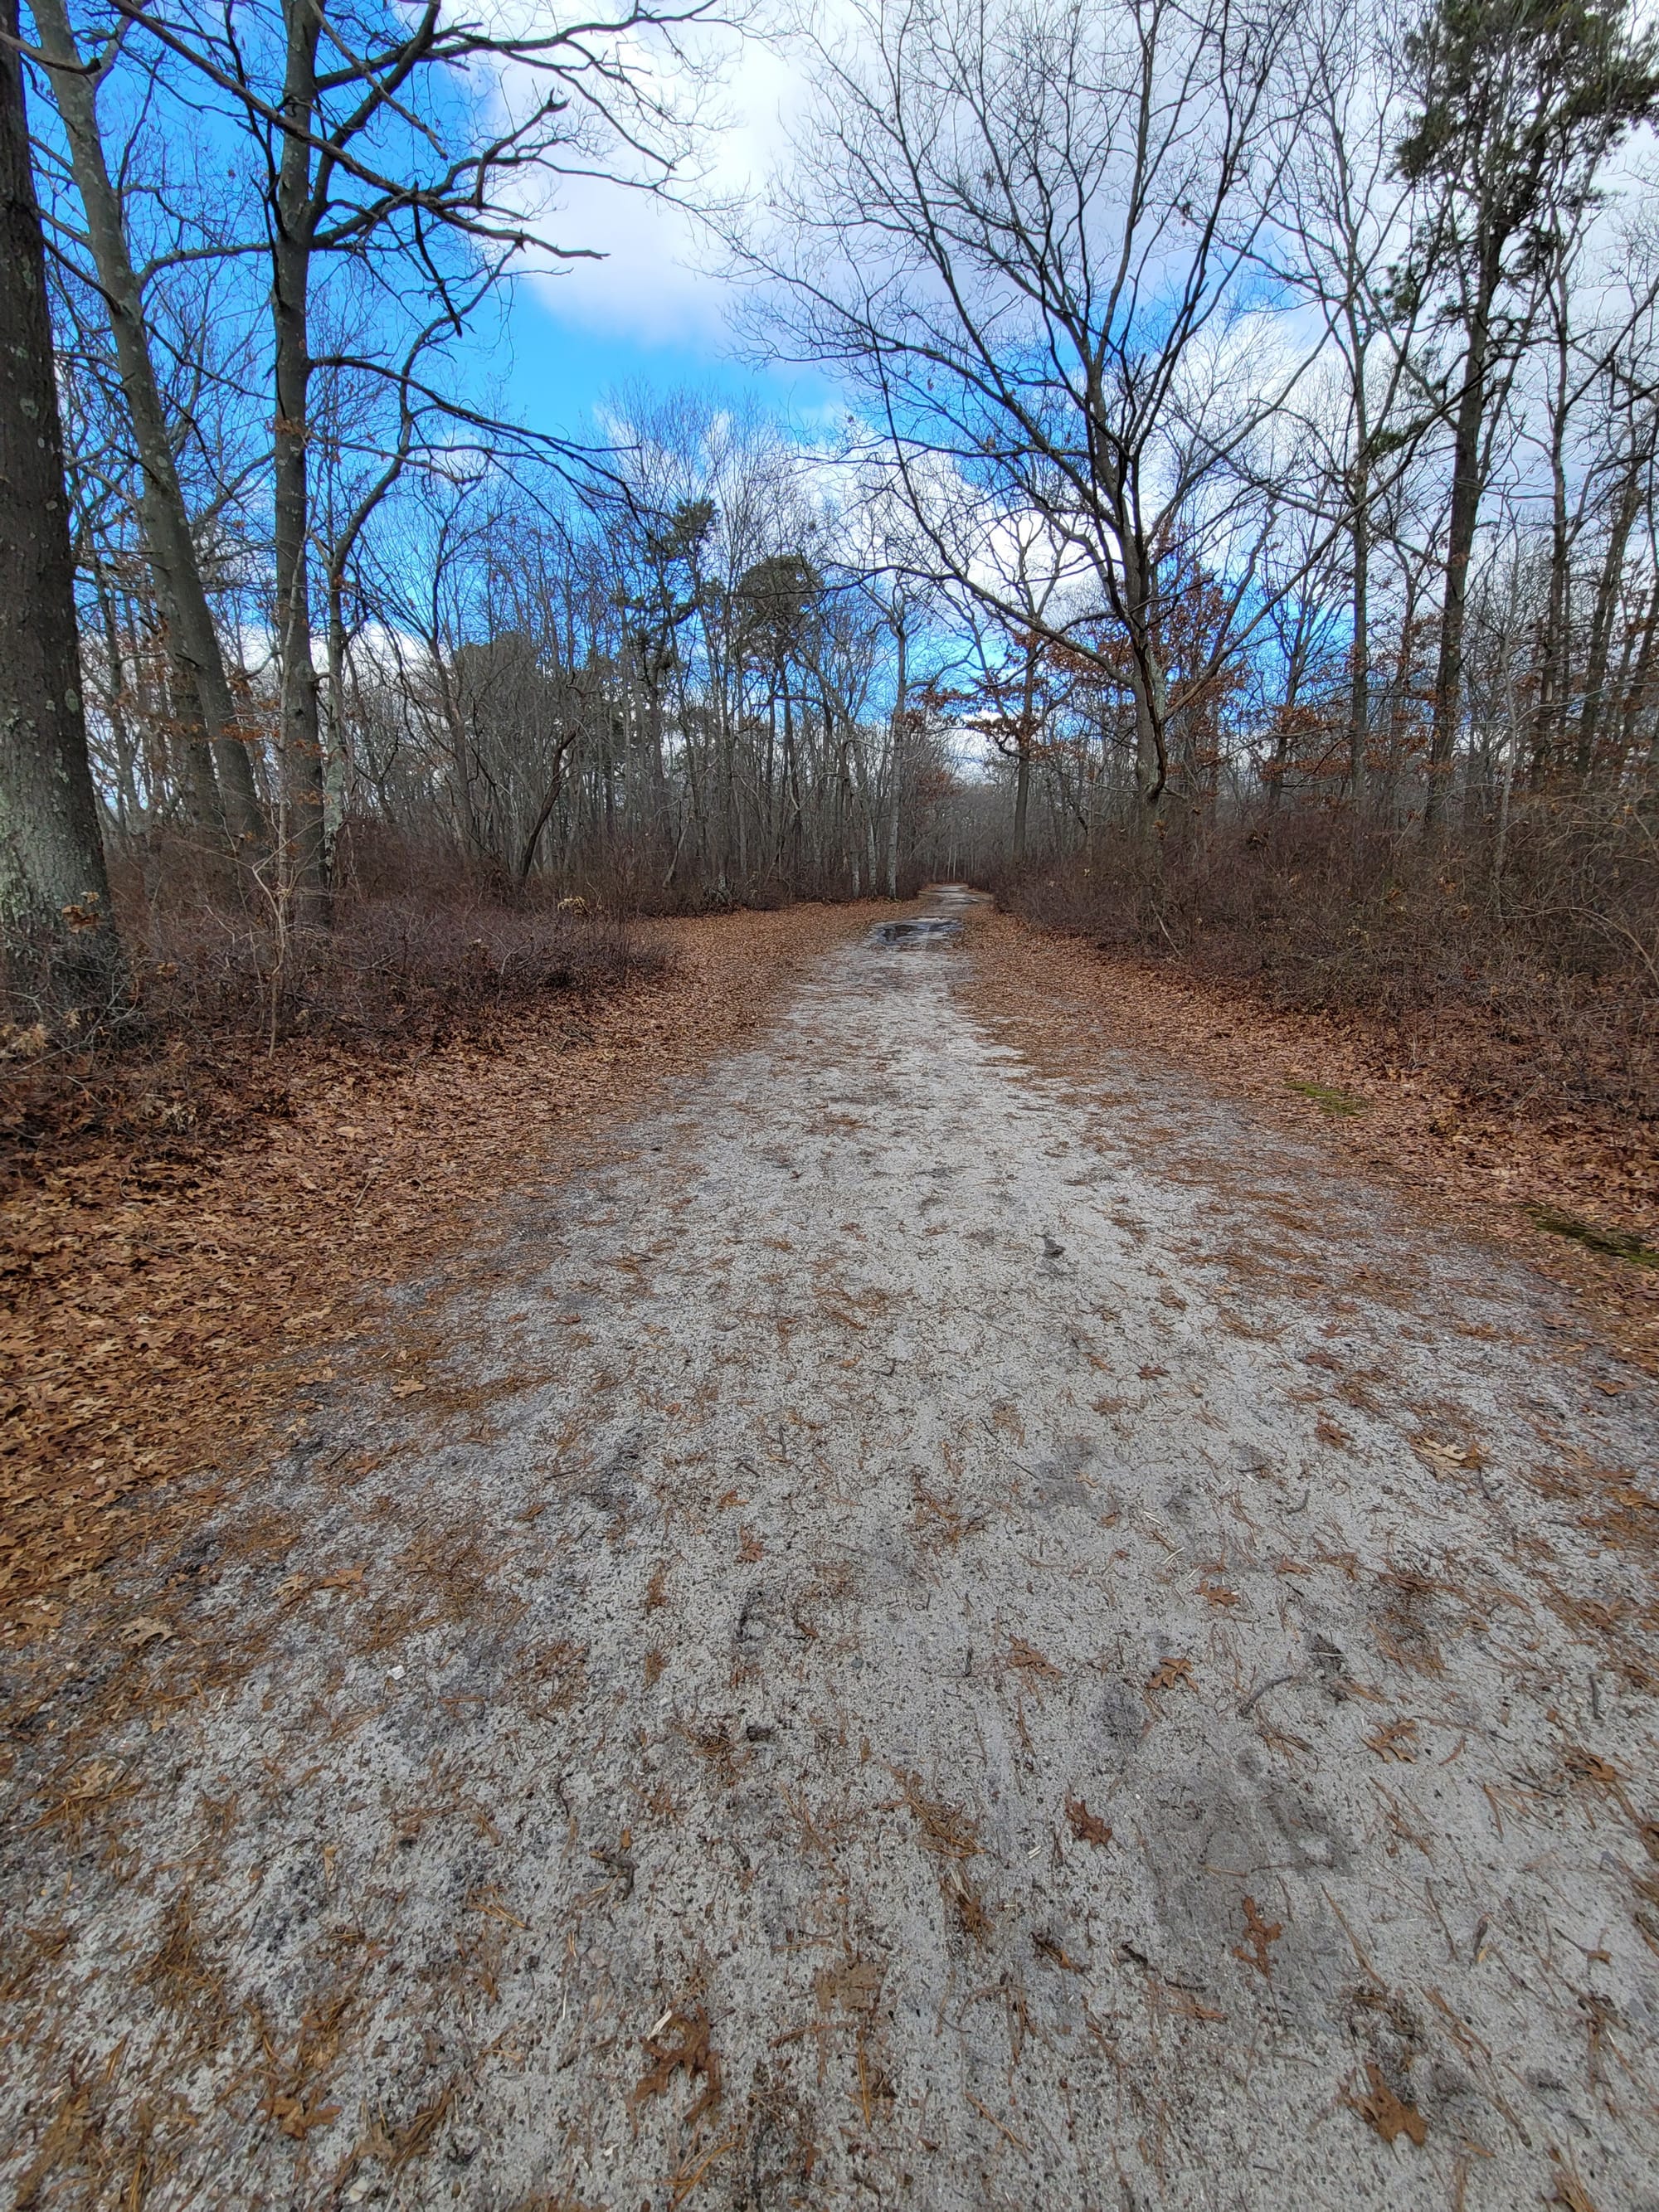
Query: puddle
x=944 y=905
x=927 y=929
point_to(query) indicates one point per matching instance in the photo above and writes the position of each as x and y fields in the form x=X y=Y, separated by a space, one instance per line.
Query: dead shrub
x=1534 y=975
x=221 y=1006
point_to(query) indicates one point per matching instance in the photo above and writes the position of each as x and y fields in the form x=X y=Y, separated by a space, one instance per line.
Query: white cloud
x=655 y=283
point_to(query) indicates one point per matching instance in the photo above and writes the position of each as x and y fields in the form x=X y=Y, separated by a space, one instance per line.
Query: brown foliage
x=167 y=1290
x=691 y=2053
x=1391 y=2116
x=1534 y=983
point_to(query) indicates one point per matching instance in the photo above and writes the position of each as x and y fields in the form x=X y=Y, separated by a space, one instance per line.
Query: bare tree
x=191 y=633
x=54 y=893
x=1028 y=232
x=1517 y=108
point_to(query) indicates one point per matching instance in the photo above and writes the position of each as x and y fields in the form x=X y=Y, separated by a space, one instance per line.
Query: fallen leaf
x=1088 y=1827
x=1445 y=1455
x=1380 y=2109
x=297 y=2119
x=1258 y=1935
x=1022 y=1654
x=407 y=1389
x=1170 y=1671
x=1589 y=1767
x=693 y=2052
x=146 y=1629
x=93 y=1780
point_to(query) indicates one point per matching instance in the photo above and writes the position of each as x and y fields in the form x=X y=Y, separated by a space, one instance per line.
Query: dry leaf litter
x=755 y=1726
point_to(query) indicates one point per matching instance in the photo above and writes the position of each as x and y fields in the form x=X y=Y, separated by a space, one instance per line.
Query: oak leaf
x=1088 y=1827
x=1389 y=2115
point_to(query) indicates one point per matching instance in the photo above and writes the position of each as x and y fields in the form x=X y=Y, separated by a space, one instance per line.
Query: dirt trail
x=922 y=1637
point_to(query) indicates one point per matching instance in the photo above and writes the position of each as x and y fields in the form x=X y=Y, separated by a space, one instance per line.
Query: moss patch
x=1618 y=1243
x=1329 y=1101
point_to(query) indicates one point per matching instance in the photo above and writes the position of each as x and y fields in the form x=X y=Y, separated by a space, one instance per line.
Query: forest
x=1234 y=535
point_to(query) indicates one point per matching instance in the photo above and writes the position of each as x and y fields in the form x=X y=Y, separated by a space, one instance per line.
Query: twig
x=986 y=2112
x=1273 y=1682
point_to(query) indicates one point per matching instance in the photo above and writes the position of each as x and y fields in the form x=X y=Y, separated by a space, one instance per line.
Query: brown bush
x=1546 y=966
x=218 y=1004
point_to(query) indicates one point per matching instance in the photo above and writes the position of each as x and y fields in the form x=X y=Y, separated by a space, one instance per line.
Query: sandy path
x=1039 y=1646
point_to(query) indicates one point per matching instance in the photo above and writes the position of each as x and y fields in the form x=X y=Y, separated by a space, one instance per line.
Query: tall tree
x=54 y=895
x=1519 y=103
x=203 y=689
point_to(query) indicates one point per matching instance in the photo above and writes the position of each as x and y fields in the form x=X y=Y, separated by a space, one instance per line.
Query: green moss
x=1617 y=1244
x=1329 y=1101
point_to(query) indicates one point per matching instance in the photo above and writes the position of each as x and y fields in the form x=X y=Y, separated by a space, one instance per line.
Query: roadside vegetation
x=1240 y=547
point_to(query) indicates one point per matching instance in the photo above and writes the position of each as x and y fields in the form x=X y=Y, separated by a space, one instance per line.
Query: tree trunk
x=1606 y=604
x=1635 y=690
x=305 y=854
x=1549 y=729
x=191 y=637
x=54 y=894
x=126 y=794
x=543 y=813
x=1359 y=704
x=901 y=708
x=1022 y=769
x=1148 y=684
x=1460 y=540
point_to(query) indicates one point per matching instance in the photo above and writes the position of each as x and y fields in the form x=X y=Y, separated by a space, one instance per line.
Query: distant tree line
x=1250 y=407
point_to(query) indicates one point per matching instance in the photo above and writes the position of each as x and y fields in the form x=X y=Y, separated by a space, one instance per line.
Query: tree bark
x=901 y=707
x=54 y=893
x=1549 y=722
x=192 y=639
x=305 y=853
x=1467 y=488
x=1359 y=673
x=545 y=812
x=1023 y=758
x=1606 y=603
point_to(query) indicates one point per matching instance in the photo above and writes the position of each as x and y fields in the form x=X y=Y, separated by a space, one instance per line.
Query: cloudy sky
x=651 y=309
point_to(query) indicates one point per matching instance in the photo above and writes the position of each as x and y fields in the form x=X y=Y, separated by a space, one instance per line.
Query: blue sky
x=651 y=311
x=559 y=360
